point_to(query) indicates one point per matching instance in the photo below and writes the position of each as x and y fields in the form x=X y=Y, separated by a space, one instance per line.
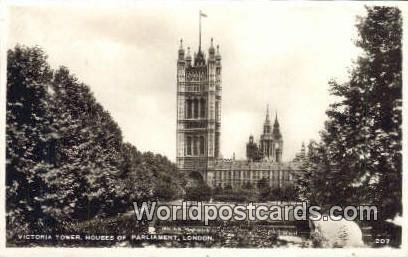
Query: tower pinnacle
x=276 y=124
x=181 y=51
x=267 y=112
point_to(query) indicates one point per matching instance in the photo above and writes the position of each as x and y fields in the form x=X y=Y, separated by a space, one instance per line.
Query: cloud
x=273 y=53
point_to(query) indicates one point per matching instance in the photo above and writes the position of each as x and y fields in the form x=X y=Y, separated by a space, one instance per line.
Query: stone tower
x=198 y=109
x=271 y=142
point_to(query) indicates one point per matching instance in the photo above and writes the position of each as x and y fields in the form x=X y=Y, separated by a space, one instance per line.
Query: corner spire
x=267 y=112
x=181 y=43
x=276 y=131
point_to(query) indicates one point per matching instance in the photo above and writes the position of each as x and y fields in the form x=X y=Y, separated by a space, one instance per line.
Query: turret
x=181 y=51
x=211 y=51
x=253 y=153
x=217 y=54
x=277 y=137
x=267 y=123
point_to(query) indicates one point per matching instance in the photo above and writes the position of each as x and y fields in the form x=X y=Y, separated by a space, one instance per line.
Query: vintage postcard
x=233 y=125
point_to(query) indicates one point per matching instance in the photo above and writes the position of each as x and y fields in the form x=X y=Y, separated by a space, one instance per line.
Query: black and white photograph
x=209 y=125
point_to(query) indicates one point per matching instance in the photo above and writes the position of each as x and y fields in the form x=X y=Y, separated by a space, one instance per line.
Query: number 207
x=382 y=240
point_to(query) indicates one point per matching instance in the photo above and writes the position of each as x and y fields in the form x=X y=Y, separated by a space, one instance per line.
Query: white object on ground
x=342 y=233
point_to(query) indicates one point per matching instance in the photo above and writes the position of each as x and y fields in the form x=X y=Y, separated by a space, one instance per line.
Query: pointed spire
x=267 y=112
x=181 y=51
x=181 y=43
x=276 y=119
x=211 y=50
x=267 y=124
x=276 y=131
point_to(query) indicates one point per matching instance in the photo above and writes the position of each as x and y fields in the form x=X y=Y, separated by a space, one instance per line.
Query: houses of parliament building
x=198 y=129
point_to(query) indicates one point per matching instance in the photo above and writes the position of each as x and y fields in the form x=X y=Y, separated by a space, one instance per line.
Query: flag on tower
x=202 y=14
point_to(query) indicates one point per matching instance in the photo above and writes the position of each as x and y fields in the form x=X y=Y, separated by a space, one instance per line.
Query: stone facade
x=198 y=109
x=198 y=129
x=236 y=173
x=268 y=164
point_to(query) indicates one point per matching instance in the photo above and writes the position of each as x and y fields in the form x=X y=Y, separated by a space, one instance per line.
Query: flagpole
x=199 y=37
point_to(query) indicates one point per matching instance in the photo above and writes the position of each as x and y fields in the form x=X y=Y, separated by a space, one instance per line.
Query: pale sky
x=281 y=54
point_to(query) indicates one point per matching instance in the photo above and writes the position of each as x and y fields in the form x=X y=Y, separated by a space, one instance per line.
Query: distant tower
x=250 y=148
x=198 y=109
x=271 y=142
x=301 y=155
x=277 y=140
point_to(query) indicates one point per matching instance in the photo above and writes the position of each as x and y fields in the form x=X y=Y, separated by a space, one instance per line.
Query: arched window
x=202 y=145
x=189 y=109
x=196 y=108
x=203 y=108
x=217 y=110
x=195 y=146
x=188 y=145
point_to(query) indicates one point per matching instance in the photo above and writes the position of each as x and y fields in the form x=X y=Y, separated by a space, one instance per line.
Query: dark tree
x=29 y=137
x=199 y=192
x=66 y=160
x=359 y=159
x=363 y=133
x=264 y=189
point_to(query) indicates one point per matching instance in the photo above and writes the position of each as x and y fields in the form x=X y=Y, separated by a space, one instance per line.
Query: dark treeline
x=65 y=156
x=359 y=158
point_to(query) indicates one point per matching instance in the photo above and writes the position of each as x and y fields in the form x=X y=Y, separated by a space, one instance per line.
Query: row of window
x=245 y=181
x=195 y=145
x=193 y=88
x=196 y=108
x=223 y=184
x=256 y=175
